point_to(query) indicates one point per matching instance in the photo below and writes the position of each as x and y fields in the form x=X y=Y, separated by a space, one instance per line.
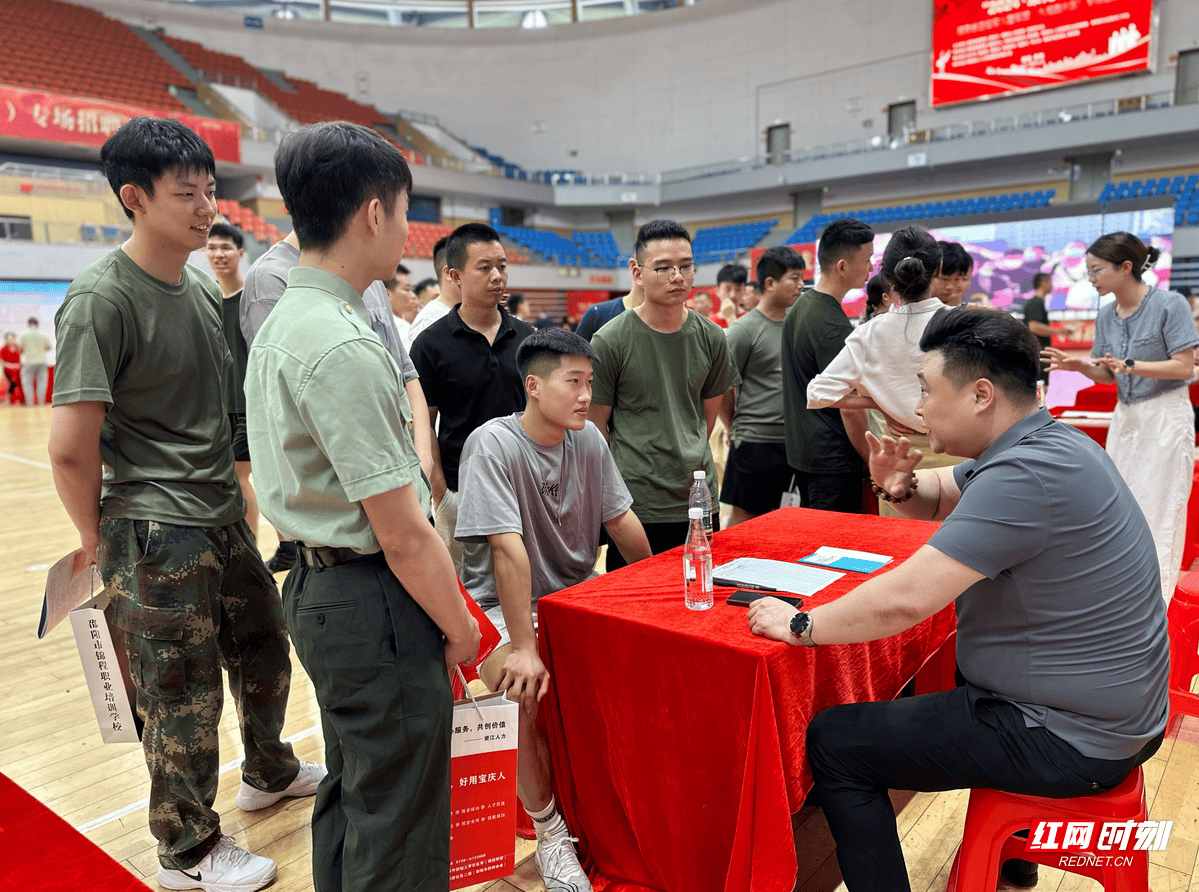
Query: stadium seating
x=721 y=244
x=248 y=221
x=1183 y=189
x=601 y=247
x=79 y=52
x=932 y=210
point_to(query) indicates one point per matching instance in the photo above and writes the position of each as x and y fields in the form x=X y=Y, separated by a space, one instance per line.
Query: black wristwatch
x=1129 y=363
x=801 y=628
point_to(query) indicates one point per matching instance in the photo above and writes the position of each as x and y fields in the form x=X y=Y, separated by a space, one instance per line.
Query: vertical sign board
x=988 y=48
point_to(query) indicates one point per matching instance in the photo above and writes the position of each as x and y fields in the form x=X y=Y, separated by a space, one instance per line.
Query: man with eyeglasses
x=662 y=373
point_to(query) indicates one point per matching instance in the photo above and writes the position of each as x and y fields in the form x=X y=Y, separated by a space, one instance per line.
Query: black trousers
x=662 y=537
x=381 y=821
x=831 y=492
x=949 y=740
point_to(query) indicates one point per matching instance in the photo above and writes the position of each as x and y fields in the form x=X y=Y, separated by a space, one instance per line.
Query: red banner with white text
x=987 y=48
x=54 y=117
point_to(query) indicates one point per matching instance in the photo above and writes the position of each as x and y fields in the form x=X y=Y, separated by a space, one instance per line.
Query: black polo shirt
x=814 y=332
x=467 y=379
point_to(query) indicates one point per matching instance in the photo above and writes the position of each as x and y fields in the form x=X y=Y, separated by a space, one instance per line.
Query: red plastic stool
x=1183 y=617
x=993 y=817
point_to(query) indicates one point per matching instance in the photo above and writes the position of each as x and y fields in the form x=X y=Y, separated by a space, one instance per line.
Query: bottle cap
x=700 y=475
x=695 y=513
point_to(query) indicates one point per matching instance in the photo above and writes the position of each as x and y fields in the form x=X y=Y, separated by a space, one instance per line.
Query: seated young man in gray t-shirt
x=536 y=487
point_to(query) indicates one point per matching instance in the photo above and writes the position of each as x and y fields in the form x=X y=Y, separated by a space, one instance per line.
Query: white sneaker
x=310 y=777
x=558 y=864
x=227 y=868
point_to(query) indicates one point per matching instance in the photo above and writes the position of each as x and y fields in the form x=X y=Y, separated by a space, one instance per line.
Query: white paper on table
x=782 y=576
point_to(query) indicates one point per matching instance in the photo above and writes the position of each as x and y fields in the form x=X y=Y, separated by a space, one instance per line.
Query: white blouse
x=880 y=360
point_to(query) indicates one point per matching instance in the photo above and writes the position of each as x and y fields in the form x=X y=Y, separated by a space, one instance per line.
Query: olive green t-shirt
x=656 y=384
x=235 y=385
x=756 y=346
x=155 y=355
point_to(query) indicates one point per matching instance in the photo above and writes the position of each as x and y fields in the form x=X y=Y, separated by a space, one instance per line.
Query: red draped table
x=677 y=737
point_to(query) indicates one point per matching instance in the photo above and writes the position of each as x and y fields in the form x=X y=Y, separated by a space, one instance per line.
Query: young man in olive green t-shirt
x=140 y=450
x=662 y=373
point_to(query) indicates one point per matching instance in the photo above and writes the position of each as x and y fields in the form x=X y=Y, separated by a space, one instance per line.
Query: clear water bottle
x=697 y=563
x=701 y=497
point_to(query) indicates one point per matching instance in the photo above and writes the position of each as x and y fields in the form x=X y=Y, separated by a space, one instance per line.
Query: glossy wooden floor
x=49 y=743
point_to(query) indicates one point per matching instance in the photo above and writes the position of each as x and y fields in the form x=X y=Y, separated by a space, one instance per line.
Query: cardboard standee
x=483 y=791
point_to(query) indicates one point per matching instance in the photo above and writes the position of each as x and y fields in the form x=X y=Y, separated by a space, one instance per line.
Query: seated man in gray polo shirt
x=536 y=488
x=1061 y=627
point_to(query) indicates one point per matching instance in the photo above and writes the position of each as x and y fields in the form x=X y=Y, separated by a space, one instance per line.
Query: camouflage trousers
x=185 y=601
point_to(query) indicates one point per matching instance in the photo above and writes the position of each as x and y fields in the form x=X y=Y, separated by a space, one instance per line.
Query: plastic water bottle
x=701 y=497
x=697 y=563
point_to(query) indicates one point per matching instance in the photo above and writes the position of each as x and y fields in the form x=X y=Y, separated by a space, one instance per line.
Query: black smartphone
x=744 y=597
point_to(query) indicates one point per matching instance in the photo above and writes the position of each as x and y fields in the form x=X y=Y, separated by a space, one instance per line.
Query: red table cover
x=677 y=737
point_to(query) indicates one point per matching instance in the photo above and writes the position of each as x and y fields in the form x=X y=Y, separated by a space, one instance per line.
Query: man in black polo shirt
x=467 y=363
x=828 y=458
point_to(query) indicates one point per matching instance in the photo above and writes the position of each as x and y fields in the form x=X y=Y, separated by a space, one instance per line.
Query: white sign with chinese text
x=105 y=680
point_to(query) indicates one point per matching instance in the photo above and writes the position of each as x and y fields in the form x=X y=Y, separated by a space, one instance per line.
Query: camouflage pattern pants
x=187 y=600
x=381 y=822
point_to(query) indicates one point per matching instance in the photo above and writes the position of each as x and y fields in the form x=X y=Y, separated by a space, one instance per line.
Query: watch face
x=800 y=623
x=1128 y=363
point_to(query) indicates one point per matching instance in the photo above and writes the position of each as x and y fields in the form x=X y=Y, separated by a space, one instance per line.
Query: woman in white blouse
x=877 y=367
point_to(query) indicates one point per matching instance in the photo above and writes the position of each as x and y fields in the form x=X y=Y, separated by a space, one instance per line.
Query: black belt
x=320 y=556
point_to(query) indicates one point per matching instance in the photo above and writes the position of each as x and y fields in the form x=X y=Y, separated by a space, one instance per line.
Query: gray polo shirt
x=1157 y=329
x=266 y=281
x=1069 y=624
x=556 y=497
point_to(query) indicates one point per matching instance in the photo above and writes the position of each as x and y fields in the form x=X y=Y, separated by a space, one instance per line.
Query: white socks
x=549 y=819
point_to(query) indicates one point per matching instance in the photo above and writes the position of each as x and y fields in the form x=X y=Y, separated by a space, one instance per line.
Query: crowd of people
x=398 y=448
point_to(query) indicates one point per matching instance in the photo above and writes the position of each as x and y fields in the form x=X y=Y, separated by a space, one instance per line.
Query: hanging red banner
x=54 y=117
x=987 y=48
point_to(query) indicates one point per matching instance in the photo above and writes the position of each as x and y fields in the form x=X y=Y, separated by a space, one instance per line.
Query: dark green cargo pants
x=382 y=816
x=185 y=601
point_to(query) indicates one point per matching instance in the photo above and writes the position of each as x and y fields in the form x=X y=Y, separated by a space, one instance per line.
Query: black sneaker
x=284 y=558
x=1019 y=873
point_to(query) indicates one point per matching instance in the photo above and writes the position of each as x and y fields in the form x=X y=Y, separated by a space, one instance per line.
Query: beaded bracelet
x=887 y=497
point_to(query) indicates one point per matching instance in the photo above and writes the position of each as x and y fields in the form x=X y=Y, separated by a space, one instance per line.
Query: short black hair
x=462 y=238
x=732 y=272
x=542 y=351
x=423 y=284
x=229 y=231
x=1039 y=278
x=911 y=259
x=1184 y=290
x=32 y=320
x=658 y=231
x=143 y=149
x=327 y=171
x=402 y=270
x=439 y=255
x=514 y=301
x=776 y=262
x=981 y=343
x=955 y=260
x=842 y=238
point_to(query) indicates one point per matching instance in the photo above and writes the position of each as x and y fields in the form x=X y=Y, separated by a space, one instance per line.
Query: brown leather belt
x=321 y=556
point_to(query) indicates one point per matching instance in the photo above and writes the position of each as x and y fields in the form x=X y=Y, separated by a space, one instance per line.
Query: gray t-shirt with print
x=555 y=497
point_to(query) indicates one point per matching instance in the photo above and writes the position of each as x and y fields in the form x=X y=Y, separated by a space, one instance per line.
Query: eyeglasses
x=1093 y=272
x=666 y=273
